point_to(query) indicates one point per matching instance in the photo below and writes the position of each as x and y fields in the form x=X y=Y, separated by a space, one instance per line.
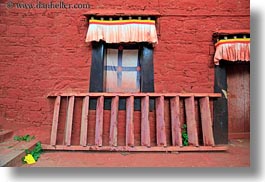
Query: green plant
x=185 y=137
x=26 y=138
x=36 y=152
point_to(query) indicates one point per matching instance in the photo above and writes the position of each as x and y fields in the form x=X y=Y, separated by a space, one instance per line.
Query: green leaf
x=27 y=151
x=17 y=138
x=36 y=152
x=184 y=133
x=26 y=138
x=23 y=160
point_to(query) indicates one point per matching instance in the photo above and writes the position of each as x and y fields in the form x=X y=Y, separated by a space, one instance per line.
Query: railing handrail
x=154 y=94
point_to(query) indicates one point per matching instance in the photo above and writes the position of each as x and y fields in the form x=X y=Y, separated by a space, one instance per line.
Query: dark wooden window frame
x=97 y=72
x=220 y=126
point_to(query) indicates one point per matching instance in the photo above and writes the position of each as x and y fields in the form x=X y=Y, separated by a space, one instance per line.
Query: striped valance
x=118 y=31
x=232 y=46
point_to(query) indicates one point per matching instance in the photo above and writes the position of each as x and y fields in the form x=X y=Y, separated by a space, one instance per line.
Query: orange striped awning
x=118 y=31
x=237 y=49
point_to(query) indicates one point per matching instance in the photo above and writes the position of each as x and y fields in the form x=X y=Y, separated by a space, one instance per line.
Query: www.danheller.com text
x=49 y=5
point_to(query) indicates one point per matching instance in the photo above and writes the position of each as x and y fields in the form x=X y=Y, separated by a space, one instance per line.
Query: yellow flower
x=29 y=159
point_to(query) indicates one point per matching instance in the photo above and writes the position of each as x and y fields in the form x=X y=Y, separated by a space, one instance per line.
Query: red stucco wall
x=44 y=50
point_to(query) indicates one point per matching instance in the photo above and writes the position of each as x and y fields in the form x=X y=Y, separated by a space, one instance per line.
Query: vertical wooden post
x=220 y=106
x=55 y=120
x=175 y=121
x=114 y=121
x=129 y=121
x=145 y=125
x=99 y=121
x=160 y=122
x=207 y=128
x=191 y=122
x=83 y=134
x=69 y=121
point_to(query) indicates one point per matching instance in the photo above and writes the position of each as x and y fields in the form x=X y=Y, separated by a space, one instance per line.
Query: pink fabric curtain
x=118 y=31
x=232 y=50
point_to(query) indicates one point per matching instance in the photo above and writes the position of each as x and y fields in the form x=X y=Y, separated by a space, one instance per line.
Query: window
x=122 y=53
x=135 y=67
x=122 y=68
x=106 y=70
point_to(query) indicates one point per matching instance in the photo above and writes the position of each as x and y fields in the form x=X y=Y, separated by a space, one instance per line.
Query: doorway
x=238 y=97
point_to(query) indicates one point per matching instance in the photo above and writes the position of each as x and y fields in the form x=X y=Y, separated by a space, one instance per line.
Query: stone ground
x=238 y=155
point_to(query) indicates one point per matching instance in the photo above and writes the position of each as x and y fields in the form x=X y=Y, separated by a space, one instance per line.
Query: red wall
x=44 y=50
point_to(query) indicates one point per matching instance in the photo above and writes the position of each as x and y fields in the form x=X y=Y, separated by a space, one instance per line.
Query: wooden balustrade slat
x=175 y=121
x=145 y=125
x=114 y=121
x=129 y=121
x=55 y=120
x=207 y=127
x=160 y=122
x=99 y=121
x=83 y=133
x=191 y=121
x=69 y=121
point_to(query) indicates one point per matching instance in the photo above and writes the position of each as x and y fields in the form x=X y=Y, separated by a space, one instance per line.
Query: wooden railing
x=176 y=143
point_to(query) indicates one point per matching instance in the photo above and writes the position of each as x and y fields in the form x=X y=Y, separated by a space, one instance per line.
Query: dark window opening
x=107 y=77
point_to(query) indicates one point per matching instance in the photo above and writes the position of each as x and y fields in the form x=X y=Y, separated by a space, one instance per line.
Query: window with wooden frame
x=122 y=53
x=122 y=68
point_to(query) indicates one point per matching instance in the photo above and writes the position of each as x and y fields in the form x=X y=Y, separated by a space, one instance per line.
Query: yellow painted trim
x=234 y=40
x=122 y=21
x=238 y=40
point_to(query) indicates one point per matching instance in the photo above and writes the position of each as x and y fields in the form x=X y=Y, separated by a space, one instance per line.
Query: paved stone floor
x=238 y=155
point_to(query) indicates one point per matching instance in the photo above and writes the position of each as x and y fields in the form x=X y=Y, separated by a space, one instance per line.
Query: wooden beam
x=160 y=122
x=114 y=121
x=191 y=121
x=129 y=121
x=175 y=121
x=55 y=120
x=207 y=126
x=106 y=94
x=137 y=148
x=69 y=121
x=99 y=121
x=145 y=125
x=83 y=134
x=220 y=106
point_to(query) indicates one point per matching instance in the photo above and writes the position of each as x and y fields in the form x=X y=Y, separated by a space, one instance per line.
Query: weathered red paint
x=114 y=121
x=83 y=134
x=175 y=121
x=42 y=51
x=145 y=123
x=129 y=121
x=99 y=121
x=160 y=122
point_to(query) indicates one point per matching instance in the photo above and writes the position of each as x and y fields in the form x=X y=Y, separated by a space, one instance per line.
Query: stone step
x=11 y=152
x=5 y=134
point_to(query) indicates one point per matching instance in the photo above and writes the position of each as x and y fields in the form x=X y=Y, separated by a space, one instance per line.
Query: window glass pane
x=122 y=70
